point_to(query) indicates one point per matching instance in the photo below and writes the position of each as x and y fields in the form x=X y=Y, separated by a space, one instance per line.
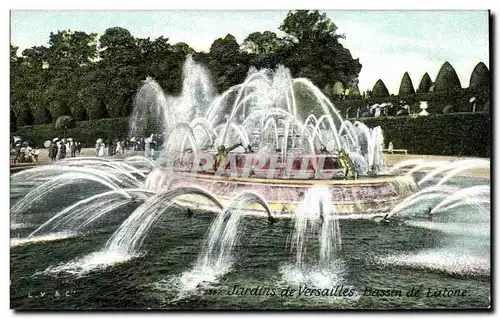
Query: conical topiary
x=379 y=89
x=447 y=79
x=480 y=77
x=425 y=84
x=406 y=86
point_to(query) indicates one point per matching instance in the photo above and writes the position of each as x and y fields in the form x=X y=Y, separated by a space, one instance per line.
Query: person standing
x=110 y=148
x=118 y=147
x=49 y=152
x=106 y=148
x=63 y=150
x=27 y=154
x=35 y=154
x=101 y=150
x=53 y=151
x=147 y=150
x=17 y=150
x=72 y=148
x=59 y=151
x=152 y=147
x=22 y=158
x=391 y=147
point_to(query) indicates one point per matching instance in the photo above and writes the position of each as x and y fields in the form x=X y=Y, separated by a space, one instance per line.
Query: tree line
x=86 y=77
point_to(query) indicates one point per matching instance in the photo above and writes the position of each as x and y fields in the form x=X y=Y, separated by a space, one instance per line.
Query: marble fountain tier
x=283 y=188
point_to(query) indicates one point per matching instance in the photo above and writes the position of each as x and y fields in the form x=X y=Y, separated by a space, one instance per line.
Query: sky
x=387 y=43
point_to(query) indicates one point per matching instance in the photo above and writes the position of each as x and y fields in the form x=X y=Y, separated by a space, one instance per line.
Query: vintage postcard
x=250 y=160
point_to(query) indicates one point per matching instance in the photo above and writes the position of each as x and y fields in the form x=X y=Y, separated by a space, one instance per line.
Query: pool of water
x=380 y=265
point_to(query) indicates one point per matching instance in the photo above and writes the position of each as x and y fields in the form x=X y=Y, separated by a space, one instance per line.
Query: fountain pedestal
x=364 y=196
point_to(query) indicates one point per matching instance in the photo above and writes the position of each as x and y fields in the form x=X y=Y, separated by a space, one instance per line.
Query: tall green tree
x=69 y=53
x=80 y=75
x=265 y=49
x=168 y=67
x=28 y=81
x=17 y=88
x=119 y=70
x=309 y=26
x=227 y=62
x=315 y=51
x=58 y=70
x=117 y=46
x=266 y=42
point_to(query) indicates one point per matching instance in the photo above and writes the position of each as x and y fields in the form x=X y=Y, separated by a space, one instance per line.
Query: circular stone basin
x=352 y=198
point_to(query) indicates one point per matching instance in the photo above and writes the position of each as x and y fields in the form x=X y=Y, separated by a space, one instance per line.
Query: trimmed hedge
x=437 y=101
x=86 y=132
x=455 y=134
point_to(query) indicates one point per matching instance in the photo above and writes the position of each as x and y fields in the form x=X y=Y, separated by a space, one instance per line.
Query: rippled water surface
x=450 y=251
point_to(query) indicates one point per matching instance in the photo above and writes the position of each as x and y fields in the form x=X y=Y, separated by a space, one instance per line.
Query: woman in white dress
x=59 y=153
x=101 y=150
x=118 y=147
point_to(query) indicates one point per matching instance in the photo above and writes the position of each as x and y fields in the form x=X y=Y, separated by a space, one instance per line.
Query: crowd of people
x=23 y=153
x=384 y=109
x=58 y=149
x=109 y=147
x=147 y=145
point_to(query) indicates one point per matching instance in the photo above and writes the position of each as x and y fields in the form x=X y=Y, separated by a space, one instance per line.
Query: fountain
x=284 y=164
x=282 y=154
x=281 y=149
x=216 y=257
x=316 y=217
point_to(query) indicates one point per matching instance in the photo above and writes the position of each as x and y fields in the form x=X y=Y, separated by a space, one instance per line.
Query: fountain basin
x=352 y=198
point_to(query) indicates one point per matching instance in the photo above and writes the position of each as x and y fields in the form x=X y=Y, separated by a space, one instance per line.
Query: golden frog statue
x=347 y=165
